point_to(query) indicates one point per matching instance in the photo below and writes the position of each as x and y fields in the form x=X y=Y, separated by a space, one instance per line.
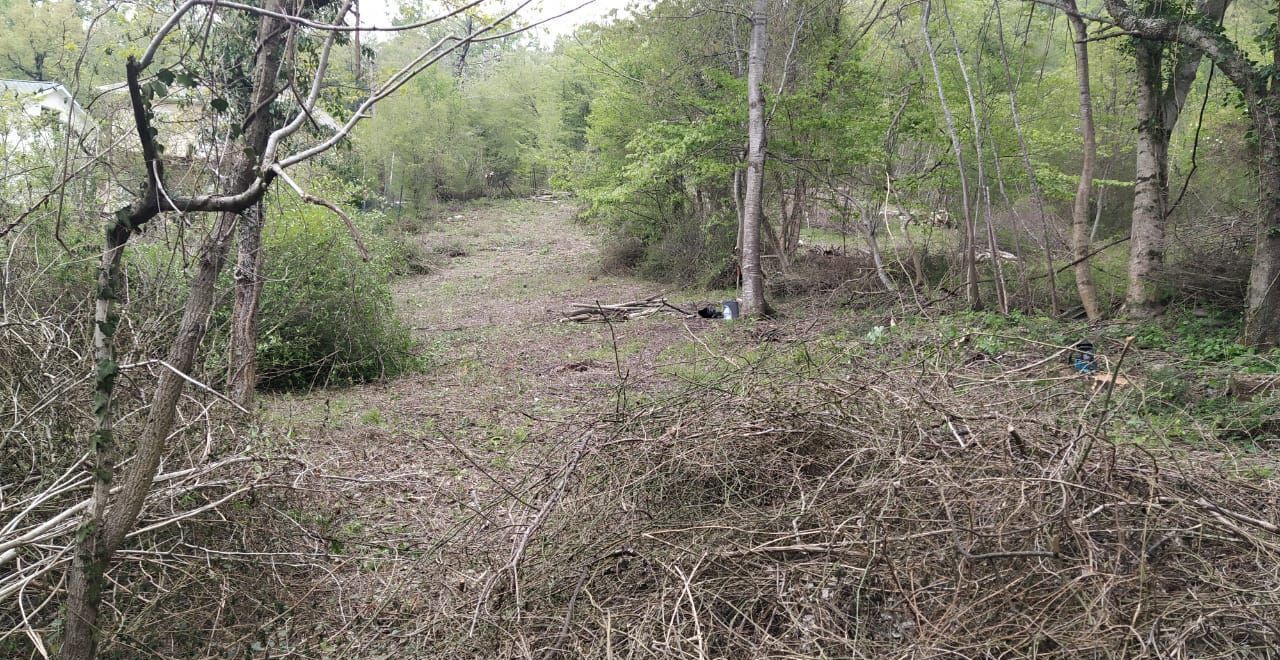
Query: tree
x=267 y=155
x=104 y=529
x=1259 y=84
x=242 y=349
x=1160 y=101
x=248 y=277
x=753 y=302
x=1002 y=299
x=970 y=230
x=1037 y=193
x=243 y=341
x=1080 y=208
x=39 y=40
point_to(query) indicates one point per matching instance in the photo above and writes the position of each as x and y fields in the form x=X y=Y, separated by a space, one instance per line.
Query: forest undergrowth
x=891 y=493
x=862 y=476
x=934 y=505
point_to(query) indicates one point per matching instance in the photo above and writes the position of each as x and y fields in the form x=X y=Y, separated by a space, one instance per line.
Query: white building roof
x=38 y=95
x=25 y=87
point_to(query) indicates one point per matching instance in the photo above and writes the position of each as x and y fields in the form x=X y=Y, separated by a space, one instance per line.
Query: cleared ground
x=394 y=470
x=863 y=477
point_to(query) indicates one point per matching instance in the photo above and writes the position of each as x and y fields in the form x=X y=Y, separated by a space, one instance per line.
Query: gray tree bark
x=1080 y=209
x=1262 y=315
x=753 y=301
x=1260 y=86
x=1150 y=186
x=242 y=362
x=105 y=528
x=1160 y=105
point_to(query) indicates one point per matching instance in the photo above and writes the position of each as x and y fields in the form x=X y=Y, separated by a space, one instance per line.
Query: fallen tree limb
x=635 y=309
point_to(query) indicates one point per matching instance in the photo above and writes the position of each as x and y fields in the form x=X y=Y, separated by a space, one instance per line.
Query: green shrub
x=621 y=256
x=327 y=316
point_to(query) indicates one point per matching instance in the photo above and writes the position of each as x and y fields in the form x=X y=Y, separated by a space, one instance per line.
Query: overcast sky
x=381 y=12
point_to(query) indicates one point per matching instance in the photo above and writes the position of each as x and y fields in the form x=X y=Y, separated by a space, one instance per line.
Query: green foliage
x=664 y=136
x=494 y=131
x=1209 y=338
x=39 y=40
x=327 y=315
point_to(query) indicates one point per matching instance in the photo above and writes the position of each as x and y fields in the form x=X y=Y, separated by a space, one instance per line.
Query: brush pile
x=636 y=309
x=865 y=512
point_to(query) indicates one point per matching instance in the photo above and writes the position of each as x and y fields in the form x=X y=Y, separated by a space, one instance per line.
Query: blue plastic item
x=1083 y=358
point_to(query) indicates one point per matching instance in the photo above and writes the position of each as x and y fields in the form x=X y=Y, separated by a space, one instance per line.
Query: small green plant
x=1258 y=473
x=503 y=442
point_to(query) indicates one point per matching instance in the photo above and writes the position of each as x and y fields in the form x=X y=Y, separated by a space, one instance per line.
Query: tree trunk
x=105 y=529
x=1080 y=210
x=753 y=302
x=1150 y=186
x=877 y=259
x=94 y=550
x=1159 y=108
x=1262 y=317
x=181 y=357
x=791 y=214
x=739 y=208
x=1260 y=87
x=799 y=212
x=84 y=596
x=242 y=363
x=970 y=238
x=88 y=565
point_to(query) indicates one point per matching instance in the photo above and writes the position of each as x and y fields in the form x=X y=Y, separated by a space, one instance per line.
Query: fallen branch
x=635 y=309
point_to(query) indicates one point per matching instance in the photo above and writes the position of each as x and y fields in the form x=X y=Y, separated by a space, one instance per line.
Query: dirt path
x=490 y=316
x=389 y=469
x=488 y=322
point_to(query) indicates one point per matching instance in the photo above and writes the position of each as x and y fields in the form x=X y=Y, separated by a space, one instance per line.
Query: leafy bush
x=327 y=316
x=689 y=252
x=621 y=256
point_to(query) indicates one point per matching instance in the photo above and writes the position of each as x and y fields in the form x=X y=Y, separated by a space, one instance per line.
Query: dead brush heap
x=169 y=580
x=861 y=512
